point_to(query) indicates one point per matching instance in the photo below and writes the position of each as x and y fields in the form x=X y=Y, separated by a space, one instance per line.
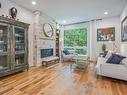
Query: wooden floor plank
x=59 y=79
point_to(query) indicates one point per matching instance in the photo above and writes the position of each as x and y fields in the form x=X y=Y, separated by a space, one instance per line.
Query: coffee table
x=80 y=62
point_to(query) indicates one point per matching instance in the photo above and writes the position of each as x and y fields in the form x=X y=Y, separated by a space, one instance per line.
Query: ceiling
x=75 y=10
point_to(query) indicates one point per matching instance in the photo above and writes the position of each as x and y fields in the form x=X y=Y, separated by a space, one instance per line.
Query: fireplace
x=46 y=52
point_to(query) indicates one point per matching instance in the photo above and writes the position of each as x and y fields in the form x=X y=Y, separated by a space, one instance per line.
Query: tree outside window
x=76 y=39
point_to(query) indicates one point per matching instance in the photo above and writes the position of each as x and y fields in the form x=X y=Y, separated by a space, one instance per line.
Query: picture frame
x=0 y=4
x=124 y=30
x=106 y=34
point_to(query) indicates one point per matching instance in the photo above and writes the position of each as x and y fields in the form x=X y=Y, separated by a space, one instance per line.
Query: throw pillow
x=115 y=59
x=109 y=59
x=66 y=52
x=109 y=54
x=124 y=62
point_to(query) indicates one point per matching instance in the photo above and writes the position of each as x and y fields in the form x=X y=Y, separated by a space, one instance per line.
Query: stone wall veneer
x=40 y=40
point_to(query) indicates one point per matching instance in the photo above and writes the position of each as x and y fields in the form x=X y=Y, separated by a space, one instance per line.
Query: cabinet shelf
x=18 y=35
x=3 y=54
x=19 y=43
x=3 y=34
x=19 y=52
x=19 y=64
x=3 y=43
x=4 y=69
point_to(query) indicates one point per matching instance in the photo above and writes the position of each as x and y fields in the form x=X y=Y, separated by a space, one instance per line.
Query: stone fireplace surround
x=43 y=45
x=41 y=41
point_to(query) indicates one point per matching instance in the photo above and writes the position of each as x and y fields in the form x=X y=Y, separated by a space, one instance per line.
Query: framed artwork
x=0 y=5
x=106 y=34
x=124 y=30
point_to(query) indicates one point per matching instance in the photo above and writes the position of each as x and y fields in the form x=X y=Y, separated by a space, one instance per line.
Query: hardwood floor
x=60 y=80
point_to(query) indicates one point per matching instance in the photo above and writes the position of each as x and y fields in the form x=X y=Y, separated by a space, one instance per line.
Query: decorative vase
x=104 y=48
x=13 y=12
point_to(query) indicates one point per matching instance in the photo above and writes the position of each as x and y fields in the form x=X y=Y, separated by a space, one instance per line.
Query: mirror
x=48 y=30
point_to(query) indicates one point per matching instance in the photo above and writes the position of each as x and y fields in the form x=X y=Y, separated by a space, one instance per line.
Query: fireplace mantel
x=47 y=38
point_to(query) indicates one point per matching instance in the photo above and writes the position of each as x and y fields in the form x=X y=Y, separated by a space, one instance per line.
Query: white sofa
x=118 y=71
x=69 y=56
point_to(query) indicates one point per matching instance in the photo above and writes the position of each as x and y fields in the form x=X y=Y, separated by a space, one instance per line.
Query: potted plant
x=104 y=48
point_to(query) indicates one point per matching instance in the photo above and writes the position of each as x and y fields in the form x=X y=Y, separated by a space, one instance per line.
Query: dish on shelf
x=19 y=41
x=1 y=50
x=18 y=35
x=1 y=42
x=1 y=67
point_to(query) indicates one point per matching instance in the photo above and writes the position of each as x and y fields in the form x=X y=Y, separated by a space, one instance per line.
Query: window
x=76 y=39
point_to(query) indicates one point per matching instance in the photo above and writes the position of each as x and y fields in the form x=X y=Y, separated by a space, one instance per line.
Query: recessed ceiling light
x=64 y=21
x=33 y=2
x=106 y=13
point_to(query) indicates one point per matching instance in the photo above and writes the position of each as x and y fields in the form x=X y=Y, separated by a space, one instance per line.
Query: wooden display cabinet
x=13 y=46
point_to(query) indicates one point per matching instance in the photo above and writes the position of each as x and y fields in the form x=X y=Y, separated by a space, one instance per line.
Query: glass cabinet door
x=4 y=43
x=19 y=41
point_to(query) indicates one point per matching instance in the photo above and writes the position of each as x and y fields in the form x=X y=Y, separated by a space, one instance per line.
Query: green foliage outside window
x=76 y=38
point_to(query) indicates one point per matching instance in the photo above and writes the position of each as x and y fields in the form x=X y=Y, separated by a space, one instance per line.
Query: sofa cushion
x=117 y=71
x=72 y=52
x=124 y=62
x=115 y=59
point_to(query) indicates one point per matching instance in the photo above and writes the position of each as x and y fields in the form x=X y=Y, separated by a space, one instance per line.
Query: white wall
x=124 y=13
x=104 y=23
x=24 y=16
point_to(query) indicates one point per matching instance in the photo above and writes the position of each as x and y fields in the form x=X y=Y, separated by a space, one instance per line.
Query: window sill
x=82 y=55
